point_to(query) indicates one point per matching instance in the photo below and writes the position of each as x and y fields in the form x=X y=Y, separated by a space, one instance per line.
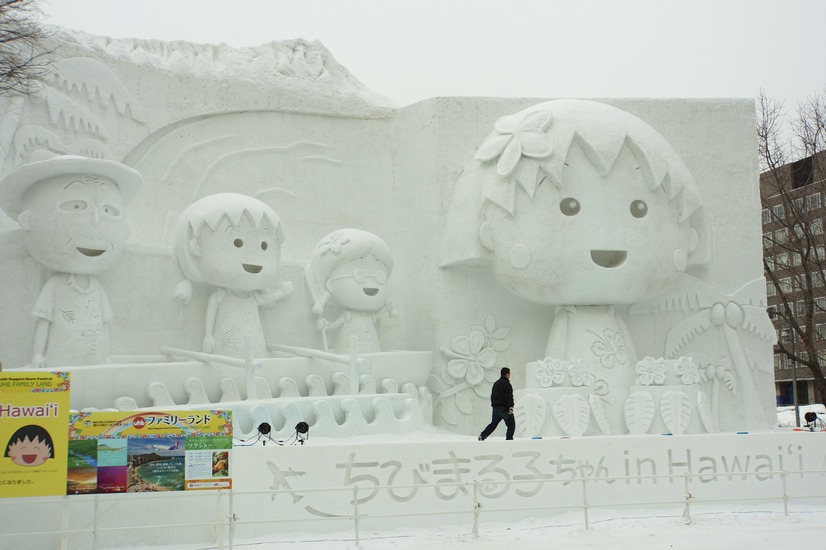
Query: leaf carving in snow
x=572 y=413
x=32 y=137
x=464 y=404
x=706 y=415
x=70 y=114
x=675 y=408
x=530 y=412
x=598 y=410
x=639 y=412
x=98 y=82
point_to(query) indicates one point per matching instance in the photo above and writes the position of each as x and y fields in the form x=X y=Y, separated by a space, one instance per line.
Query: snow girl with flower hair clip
x=349 y=268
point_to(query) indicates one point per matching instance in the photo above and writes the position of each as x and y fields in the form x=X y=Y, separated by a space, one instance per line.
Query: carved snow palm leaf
x=675 y=409
x=530 y=412
x=31 y=137
x=96 y=81
x=69 y=114
x=684 y=332
x=572 y=413
x=600 y=415
x=640 y=410
x=706 y=413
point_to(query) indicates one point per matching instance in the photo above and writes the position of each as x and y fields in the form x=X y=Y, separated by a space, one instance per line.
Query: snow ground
x=722 y=529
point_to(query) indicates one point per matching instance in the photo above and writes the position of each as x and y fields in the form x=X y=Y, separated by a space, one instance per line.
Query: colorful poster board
x=147 y=451
x=34 y=411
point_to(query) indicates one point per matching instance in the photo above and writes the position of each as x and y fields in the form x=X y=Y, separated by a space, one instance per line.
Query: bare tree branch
x=24 y=58
x=794 y=205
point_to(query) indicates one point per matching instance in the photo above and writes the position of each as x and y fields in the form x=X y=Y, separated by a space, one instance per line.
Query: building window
x=800 y=308
x=779 y=211
x=813 y=201
x=816 y=226
x=780 y=236
x=780 y=362
x=820 y=304
x=798 y=204
x=802 y=173
x=820 y=329
x=785 y=285
x=782 y=260
x=767 y=216
x=817 y=280
x=770 y=290
x=769 y=262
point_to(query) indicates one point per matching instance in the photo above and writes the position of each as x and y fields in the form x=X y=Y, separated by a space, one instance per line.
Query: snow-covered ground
x=724 y=529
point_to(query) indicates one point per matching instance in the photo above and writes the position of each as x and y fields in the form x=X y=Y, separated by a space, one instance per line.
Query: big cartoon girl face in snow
x=243 y=257
x=597 y=239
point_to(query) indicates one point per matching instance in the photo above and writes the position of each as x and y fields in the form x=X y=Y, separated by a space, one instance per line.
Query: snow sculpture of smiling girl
x=232 y=242
x=583 y=206
x=350 y=268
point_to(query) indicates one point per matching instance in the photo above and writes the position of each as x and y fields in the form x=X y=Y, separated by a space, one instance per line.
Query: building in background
x=794 y=210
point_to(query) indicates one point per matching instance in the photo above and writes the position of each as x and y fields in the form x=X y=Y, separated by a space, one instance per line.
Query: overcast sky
x=411 y=50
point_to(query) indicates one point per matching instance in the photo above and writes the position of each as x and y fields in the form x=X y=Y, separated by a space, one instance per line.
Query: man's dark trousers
x=499 y=414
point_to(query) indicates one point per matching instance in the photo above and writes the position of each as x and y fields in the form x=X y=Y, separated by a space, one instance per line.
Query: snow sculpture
x=71 y=210
x=349 y=268
x=233 y=243
x=582 y=206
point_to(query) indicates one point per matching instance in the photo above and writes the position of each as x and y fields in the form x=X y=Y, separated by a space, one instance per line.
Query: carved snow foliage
x=90 y=148
x=65 y=112
x=31 y=137
x=87 y=76
x=573 y=414
x=530 y=413
x=598 y=410
x=675 y=409
x=473 y=364
x=640 y=410
x=706 y=414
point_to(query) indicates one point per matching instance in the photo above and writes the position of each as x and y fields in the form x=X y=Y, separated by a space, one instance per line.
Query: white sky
x=412 y=50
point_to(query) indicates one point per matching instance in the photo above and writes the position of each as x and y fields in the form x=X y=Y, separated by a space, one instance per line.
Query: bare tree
x=792 y=185
x=23 y=56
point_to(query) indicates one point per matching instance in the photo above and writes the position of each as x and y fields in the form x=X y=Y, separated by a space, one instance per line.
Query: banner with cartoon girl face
x=34 y=413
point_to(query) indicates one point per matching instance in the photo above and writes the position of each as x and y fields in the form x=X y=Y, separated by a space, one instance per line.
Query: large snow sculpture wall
x=285 y=124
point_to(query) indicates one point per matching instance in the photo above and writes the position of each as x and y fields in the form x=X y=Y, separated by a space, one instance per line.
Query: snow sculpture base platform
x=431 y=478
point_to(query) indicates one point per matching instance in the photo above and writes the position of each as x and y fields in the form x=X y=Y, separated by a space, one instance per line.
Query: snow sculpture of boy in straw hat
x=71 y=212
x=233 y=243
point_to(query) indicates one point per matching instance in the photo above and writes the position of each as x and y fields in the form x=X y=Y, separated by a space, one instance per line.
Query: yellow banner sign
x=34 y=413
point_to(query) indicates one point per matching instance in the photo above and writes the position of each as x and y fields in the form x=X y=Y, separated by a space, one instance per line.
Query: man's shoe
x=480 y=438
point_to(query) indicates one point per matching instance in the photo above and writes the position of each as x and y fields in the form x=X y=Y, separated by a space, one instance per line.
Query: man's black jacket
x=501 y=395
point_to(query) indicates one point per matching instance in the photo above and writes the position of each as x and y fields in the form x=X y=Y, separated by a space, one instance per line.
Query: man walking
x=501 y=399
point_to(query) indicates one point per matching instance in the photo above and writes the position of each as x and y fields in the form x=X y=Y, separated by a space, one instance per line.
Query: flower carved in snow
x=550 y=372
x=471 y=359
x=516 y=137
x=651 y=372
x=687 y=370
x=333 y=243
x=610 y=348
x=580 y=374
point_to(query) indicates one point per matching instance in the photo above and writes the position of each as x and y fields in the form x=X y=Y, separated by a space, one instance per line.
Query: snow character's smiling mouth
x=370 y=291
x=609 y=258
x=90 y=251
x=251 y=268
